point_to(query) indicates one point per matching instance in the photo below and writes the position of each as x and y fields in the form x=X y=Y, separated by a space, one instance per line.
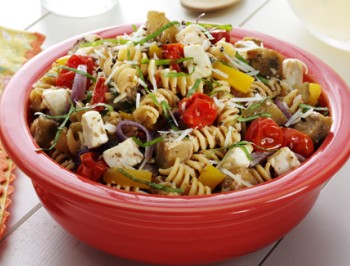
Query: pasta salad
x=177 y=108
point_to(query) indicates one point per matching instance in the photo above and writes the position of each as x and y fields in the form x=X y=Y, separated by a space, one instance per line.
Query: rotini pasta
x=170 y=110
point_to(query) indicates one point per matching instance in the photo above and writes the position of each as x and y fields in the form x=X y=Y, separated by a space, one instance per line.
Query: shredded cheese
x=138 y=98
x=184 y=134
x=294 y=118
x=257 y=97
x=241 y=65
x=219 y=72
x=120 y=97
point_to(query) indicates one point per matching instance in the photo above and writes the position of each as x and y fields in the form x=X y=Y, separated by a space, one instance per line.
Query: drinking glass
x=329 y=20
x=78 y=8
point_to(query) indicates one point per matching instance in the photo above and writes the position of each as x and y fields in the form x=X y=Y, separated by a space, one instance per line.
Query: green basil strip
x=169 y=116
x=79 y=72
x=194 y=88
x=307 y=107
x=227 y=27
x=241 y=58
x=147 y=143
x=102 y=41
x=134 y=27
x=162 y=62
x=179 y=74
x=262 y=79
x=151 y=184
x=258 y=104
x=250 y=118
x=157 y=32
x=154 y=98
x=166 y=109
x=244 y=148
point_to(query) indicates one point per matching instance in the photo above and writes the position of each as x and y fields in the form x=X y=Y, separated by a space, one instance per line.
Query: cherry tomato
x=298 y=142
x=98 y=96
x=66 y=77
x=219 y=35
x=265 y=134
x=174 y=51
x=199 y=110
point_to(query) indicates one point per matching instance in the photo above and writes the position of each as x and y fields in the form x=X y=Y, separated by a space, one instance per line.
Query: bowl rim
x=305 y=178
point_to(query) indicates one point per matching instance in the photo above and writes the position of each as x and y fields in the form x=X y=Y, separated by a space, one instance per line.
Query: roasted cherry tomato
x=265 y=134
x=199 y=110
x=66 y=77
x=219 y=35
x=98 y=95
x=174 y=51
x=91 y=166
x=298 y=142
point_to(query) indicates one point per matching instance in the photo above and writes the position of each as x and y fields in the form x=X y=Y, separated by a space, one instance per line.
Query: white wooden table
x=34 y=238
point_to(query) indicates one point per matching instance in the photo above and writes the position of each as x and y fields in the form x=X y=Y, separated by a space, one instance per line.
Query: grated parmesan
x=219 y=72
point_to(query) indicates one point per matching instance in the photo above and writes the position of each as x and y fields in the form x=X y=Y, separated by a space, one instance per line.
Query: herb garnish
x=151 y=184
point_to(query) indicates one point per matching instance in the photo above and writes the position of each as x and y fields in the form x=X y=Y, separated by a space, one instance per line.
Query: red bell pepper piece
x=98 y=96
x=65 y=77
x=174 y=51
x=91 y=166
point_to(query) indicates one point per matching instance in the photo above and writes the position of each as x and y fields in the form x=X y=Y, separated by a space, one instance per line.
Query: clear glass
x=78 y=8
x=329 y=20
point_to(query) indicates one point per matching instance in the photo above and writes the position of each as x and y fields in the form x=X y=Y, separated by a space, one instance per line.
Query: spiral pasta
x=265 y=90
x=151 y=106
x=260 y=173
x=209 y=137
x=63 y=159
x=184 y=177
x=130 y=53
x=178 y=85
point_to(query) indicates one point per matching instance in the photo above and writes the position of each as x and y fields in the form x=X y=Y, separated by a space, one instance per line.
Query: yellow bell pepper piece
x=114 y=176
x=155 y=51
x=237 y=79
x=62 y=60
x=315 y=92
x=211 y=176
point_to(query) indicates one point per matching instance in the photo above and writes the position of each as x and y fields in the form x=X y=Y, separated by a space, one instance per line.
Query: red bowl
x=189 y=230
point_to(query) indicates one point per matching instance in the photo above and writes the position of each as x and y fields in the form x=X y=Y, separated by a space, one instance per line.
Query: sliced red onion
x=300 y=157
x=79 y=84
x=121 y=136
x=258 y=157
x=283 y=107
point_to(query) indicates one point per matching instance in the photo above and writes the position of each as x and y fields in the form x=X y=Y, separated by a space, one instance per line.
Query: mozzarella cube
x=125 y=154
x=237 y=158
x=56 y=100
x=192 y=34
x=200 y=65
x=93 y=129
x=283 y=160
x=293 y=71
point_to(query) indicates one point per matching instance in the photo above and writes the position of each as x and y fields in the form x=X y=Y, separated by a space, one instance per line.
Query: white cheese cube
x=237 y=158
x=283 y=160
x=293 y=71
x=93 y=129
x=192 y=34
x=56 y=100
x=125 y=154
x=200 y=65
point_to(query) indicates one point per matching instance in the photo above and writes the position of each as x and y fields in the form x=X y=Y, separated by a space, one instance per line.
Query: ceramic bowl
x=180 y=230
